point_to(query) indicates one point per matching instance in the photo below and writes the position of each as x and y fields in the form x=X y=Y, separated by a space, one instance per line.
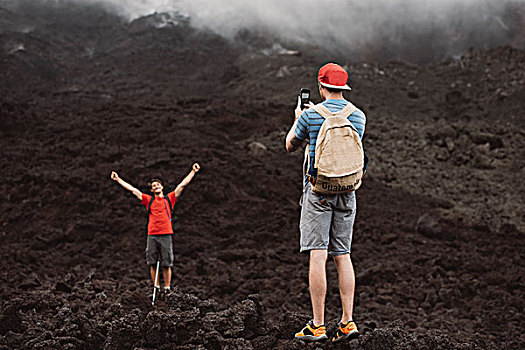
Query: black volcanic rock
x=83 y=92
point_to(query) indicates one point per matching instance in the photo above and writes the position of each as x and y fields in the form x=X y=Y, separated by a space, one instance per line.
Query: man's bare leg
x=153 y=272
x=166 y=273
x=345 y=271
x=317 y=281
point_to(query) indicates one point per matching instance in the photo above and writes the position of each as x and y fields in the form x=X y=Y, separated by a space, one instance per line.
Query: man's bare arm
x=194 y=169
x=115 y=177
x=292 y=142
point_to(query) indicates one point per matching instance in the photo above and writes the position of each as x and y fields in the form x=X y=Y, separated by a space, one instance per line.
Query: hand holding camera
x=303 y=102
x=305 y=98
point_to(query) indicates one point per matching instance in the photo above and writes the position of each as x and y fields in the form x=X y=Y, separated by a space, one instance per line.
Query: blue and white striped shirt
x=310 y=122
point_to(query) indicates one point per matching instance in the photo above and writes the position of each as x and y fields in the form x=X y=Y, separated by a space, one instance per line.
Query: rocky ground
x=438 y=243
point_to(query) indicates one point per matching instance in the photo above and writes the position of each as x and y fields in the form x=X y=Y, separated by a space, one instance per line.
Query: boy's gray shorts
x=159 y=244
x=327 y=221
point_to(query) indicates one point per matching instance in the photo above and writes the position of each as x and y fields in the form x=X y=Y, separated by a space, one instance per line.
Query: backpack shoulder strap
x=322 y=110
x=169 y=202
x=172 y=207
x=150 y=203
x=347 y=110
x=326 y=113
x=149 y=212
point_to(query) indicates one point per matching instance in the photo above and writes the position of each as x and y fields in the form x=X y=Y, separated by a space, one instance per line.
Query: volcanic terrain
x=438 y=242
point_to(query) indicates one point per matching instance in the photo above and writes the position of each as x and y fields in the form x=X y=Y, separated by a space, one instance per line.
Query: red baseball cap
x=333 y=76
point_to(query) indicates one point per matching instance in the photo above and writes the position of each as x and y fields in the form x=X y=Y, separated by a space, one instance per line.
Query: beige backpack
x=339 y=156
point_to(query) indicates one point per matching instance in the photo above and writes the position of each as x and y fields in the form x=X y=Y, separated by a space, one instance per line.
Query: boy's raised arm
x=194 y=169
x=115 y=177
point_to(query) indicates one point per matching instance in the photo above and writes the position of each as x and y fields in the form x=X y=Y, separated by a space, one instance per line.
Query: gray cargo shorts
x=159 y=246
x=327 y=221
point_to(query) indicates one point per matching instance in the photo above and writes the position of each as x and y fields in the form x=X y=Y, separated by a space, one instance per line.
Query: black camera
x=305 y=97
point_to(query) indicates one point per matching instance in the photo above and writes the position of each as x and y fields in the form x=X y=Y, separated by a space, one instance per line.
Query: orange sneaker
x=312 y=333
x=346 y=330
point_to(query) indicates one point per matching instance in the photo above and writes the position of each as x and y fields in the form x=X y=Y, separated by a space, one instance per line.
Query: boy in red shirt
x=160 y=230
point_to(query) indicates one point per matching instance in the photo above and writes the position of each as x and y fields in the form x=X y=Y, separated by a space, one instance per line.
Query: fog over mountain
x=360 y=28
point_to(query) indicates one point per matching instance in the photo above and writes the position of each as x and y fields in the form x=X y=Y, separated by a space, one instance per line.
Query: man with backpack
x=334 y=165
x=159 y=228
